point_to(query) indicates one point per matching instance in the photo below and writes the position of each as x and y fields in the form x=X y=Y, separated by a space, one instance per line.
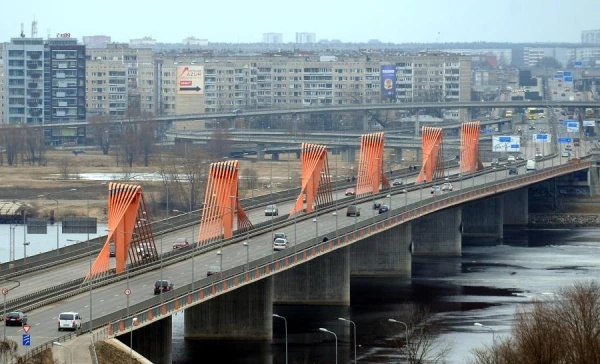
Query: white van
x=69 y=321
x=530 y=165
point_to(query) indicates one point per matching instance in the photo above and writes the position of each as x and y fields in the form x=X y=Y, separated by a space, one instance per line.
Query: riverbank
x=570 y=220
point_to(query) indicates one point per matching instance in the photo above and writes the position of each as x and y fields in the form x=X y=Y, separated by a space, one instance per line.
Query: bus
x=534 y=113
x=508 y=114
x=589 y=113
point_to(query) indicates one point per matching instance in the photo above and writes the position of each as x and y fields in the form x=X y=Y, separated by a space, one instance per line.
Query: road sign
x=572 y=127
x=4 y=291
x=26 y=340
x=568 y=78
x=565 y=140
x=567 y=73
x=541 y=138
x=567 y=121
x=589 y=123
x=558 y=77
x=26 y=328
x=127 y=291
x=505 y=143
x=578 y=64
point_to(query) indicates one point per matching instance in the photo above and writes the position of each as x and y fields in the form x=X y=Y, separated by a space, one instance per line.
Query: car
x=566 y=154
x=447 y=186
x=531 y=127
x=520 y=157
x=238 y=111
x=377 y=205
x=350 y=192
x=495 y=162
x=69 y=321
x=511 y=159
x=530 y=166
x=271 y=210
x=180 y=243
x=16 y=318
x=397 y=182
x=164 y=285
x=568 y=147
x=513 y=171
x=538 y=155
x=353 y=210
x=280 y=244
x=384 y=209
x=78 y=151
x=111 y=250
x=279 y=235
x=213 y=270
x=436 y=190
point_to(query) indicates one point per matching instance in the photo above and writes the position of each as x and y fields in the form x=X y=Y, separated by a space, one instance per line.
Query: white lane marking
x=37 y=323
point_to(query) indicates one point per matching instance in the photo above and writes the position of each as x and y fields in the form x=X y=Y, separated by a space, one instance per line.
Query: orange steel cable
x=316 y=181
x=370 y=165
x=469 y=147
x=221 y=202
x=432 y=166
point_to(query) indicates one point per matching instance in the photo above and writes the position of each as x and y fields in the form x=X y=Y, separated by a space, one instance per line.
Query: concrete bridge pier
x=397 y=155
x=516 y=207
x=348 y=154
x=484 y=219
x=419 y=154
x=275 y=156
x=324 y=280
x=241 y=314
x=385 y=254
x=153 y=341
x=260 y=152
x=438 y=233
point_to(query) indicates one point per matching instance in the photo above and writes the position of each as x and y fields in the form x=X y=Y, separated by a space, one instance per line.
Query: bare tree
x=34 y=145
x=13 y=142
x=251 y=177
x=564 y=329
x=100 y=132
x=220 y=143
x=128 y=144
x=8 y=350
x=146 y=137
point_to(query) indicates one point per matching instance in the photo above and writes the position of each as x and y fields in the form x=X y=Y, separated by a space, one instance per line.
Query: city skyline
x=466 y=21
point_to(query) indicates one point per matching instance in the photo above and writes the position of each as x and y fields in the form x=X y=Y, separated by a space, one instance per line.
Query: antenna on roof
x=22 y=30
x=34 y=28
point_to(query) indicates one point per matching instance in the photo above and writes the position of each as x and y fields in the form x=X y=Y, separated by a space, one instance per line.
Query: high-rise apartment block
x=590 y=36
x=273 y=38
x=305 y=38
x=1 y=84
x=96 y=41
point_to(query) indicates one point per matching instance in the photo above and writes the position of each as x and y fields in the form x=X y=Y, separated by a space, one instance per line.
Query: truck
x=508 y=113
x=530 y=166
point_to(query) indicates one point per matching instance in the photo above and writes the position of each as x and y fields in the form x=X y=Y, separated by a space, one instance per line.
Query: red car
x=350 y=192
x=180 y=243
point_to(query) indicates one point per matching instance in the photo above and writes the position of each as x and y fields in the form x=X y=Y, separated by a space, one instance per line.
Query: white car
x=69 y=321
x=280 y=244
x=398 y=182
x=566 y=154
x=436 y=190
x=447 y=186
x=511 y=159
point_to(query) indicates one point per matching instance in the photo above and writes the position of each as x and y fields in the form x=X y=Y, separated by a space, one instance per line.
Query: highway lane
x=110 y=298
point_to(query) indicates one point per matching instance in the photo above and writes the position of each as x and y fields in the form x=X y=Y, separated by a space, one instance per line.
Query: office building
x=146 y=42
x=306 y=38
x=2 y=84
x=96 y=41
x=272 y=38
x=590 y=36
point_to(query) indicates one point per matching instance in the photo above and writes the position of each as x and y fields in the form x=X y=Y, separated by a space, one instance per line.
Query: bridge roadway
x=110 y=298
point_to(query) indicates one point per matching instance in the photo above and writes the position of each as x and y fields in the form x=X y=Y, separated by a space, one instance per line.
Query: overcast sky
x=395 y=21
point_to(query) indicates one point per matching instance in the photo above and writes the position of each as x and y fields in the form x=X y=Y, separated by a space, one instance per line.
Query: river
x=485 y=285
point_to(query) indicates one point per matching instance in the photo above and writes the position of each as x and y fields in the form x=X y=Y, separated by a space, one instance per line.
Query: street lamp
x=25 y=244
x=55 y=200
x=89 y=281
x=56 y=343
x=354 y=325
x=161 y=252
x=333 y=333
x=194 y=244
x=488 y=328
x=286 y=336
x=247 y=254
x=220 y=254
x=405 y=332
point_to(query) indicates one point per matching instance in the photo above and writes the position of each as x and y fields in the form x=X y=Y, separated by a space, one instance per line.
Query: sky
x=397 y=21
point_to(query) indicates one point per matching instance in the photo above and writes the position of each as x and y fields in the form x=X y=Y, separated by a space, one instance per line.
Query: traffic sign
x=578 y=64
x=26 y=340
x=26 y=328
x=568 y=78
x=567 y=73
x=565 y=140
x=541 y=138
x=127 y=291
x=4 y=291
x=567 y=121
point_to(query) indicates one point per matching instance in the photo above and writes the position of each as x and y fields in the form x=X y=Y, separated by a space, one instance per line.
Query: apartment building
x=273 y=38
x=304 y=38
x=120 y=81
x=96 y=41
x=2 y=84
x=590 y=36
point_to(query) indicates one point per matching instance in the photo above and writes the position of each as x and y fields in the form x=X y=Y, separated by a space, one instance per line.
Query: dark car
x=111 y=250
x=15 y=319
x=78 y=151
x=376 y=205
x=353 y=210
x=212 y=270
x=165 y=286
x=513 y=171
x=383 y=209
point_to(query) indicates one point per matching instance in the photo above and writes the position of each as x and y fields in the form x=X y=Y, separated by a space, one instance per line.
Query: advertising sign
x=572 y=127
x=190 y=80
x=541 y=138
x=502 y=143
x=589 y=123
x=388 y=82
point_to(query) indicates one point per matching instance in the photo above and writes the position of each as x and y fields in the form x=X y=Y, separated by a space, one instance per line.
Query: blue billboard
x=388 y=83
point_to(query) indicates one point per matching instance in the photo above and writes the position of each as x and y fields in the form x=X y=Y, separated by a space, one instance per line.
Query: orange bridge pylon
x=371 y=176
x=433 y=158
x=221 y=202
x=316 y=181
x=129 y=230
x=469 y=147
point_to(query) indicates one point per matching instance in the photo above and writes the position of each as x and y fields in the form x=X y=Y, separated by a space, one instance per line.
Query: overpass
x=413 y=211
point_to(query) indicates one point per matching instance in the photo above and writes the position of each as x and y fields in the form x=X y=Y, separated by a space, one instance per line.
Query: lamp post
x=194 y=245
x=25 y=244
x=405 y=333
x=247 y=245
x=333 y=333
x=161 y=252
x=55 y=200
x=220 y=254
x=286 y=336
x=56 y=343
x=89 y=281
x=488 y=328
x=354 y=326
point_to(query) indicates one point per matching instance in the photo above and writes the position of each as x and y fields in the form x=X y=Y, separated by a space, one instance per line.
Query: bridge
x=236 y=303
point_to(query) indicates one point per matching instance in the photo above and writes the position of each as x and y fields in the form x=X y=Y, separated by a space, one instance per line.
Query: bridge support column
x=438 y=233
x=384 y=254
x=419 y=154
x=516 y=207
x=275 y=156
x=242 y=314
x=153 y=341
x=322 y=281
x=349 y=154
x=484 y=219
x=398 y=155
x=260 y=152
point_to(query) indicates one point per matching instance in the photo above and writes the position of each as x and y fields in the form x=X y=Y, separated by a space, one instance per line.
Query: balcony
x=32 y=85
x=34 y=56
x=34 y=94
x=35 y=75
x=32 y=66
x=32 y=104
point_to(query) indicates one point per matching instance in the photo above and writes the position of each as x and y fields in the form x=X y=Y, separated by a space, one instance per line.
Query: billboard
x=388 y=82
x=190 y=80
x=504 y=143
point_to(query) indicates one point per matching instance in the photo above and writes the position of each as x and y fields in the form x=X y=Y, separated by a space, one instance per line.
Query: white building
x=191 y=41
x=590 y=36
x=303 y=38
x=142 y=43
x=273 y=38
